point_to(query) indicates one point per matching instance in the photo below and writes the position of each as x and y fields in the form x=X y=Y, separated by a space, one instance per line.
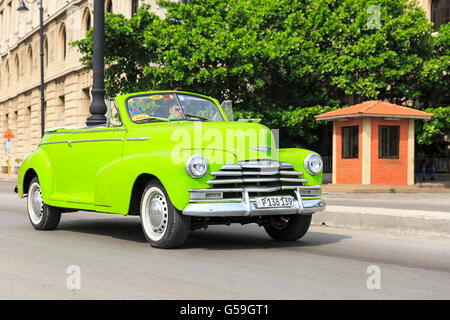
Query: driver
x=175 y=112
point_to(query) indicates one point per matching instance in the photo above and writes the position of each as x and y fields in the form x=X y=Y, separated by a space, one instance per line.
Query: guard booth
x=373 y=143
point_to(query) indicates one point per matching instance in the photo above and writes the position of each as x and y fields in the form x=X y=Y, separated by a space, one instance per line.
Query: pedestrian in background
x=427 y=166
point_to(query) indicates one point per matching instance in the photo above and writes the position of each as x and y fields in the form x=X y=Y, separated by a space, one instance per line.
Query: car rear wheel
x=164 y=226
x=42 y=216
x=289 y=228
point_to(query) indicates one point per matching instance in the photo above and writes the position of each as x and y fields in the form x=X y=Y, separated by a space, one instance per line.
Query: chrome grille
x=258 y=178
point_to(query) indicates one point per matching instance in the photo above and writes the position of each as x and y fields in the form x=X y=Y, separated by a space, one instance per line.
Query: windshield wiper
x=197 y=117
x=151 y=119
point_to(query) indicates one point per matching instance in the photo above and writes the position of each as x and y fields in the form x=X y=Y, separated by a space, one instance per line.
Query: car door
x=92 y=150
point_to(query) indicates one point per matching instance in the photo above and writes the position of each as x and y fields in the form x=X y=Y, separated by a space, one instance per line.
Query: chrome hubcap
x=36 y=206
x=157 y=213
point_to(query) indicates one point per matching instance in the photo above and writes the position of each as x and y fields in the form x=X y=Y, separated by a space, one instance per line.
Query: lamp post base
x=96 y=120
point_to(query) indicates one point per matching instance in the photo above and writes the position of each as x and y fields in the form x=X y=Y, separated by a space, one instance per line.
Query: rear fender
x=39 y=163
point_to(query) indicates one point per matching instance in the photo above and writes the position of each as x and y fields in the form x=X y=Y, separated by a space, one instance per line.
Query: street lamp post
x=98 y=106
x=23 y=8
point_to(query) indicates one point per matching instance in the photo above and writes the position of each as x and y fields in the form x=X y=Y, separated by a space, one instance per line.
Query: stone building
x=67 y=82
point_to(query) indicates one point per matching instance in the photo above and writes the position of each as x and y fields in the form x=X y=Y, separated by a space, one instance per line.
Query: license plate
x=275 y=202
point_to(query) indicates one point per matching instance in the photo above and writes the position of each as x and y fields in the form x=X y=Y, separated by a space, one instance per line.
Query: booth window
x=350 y=142
x=389 y=140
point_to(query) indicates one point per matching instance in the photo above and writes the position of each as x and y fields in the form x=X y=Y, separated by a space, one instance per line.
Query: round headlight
x=196 y=166
x=313 y=163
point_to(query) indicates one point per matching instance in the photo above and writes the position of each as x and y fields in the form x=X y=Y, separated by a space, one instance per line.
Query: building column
x=411 y=146
x=334 y=155
x=366 y=150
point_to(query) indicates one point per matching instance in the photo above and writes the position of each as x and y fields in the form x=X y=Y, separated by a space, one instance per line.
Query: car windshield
x=172 y=107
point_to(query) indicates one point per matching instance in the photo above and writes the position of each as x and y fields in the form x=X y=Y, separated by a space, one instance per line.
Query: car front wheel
x=42 y=216
x=289 y=228
x=164 y=226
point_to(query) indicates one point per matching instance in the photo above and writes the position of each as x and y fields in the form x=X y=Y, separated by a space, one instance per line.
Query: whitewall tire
x=42 y=216
x=163 y=225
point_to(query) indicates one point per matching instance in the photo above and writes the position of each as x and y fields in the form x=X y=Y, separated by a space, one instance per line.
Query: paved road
x=7 y=186
x=237 y=262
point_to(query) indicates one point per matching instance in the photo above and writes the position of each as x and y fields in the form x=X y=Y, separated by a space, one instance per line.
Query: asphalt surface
x=237 y=262
x=7 y=186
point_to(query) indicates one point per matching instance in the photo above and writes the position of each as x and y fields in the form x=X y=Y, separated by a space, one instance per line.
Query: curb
x=411 y=222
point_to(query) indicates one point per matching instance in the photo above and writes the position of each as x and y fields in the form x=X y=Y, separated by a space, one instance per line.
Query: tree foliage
x=429 y=131
x=284 y=61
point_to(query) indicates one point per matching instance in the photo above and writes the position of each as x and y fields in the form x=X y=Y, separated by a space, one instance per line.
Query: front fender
x=297 y=156
x=115 y=182
x=39 y=163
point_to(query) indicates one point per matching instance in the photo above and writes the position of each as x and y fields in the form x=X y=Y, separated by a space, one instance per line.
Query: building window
x=1 y=26
x=60 y=111
x=109 y=6
x=350 y=142
x=134 y=7
x=8 y=75
x=87 y=20
x=388 y=141
x=64 y=42
x=9 y=21
x=5 y=122
x=28 y=125
x=45 y=52
x=16 y=68
x=30 y=61
x=440 y=13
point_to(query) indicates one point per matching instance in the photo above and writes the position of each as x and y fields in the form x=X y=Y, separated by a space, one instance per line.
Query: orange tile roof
x=375 y=108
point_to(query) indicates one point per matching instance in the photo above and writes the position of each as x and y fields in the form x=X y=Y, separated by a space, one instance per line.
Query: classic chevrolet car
x=179 y=161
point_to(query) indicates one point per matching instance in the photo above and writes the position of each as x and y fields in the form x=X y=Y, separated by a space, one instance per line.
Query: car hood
x=244 y=140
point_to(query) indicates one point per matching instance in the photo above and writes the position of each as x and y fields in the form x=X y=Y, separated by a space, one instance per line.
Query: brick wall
x=389 y=171
x=348 y=171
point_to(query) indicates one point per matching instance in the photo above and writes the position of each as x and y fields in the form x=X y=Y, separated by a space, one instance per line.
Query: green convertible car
x=179 y=161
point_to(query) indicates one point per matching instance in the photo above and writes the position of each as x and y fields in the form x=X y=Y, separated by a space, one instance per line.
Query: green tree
x=283 y=61
x=432 y=135
x=126 y=56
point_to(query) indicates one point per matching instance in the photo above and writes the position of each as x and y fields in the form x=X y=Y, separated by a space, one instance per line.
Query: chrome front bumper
x=247 y=208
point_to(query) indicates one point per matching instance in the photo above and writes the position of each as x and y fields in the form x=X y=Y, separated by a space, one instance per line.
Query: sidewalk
x=358 y=188
x=385 y=220
x=420 y=214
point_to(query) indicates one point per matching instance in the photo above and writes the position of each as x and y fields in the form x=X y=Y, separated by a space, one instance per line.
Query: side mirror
x=227 y=107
